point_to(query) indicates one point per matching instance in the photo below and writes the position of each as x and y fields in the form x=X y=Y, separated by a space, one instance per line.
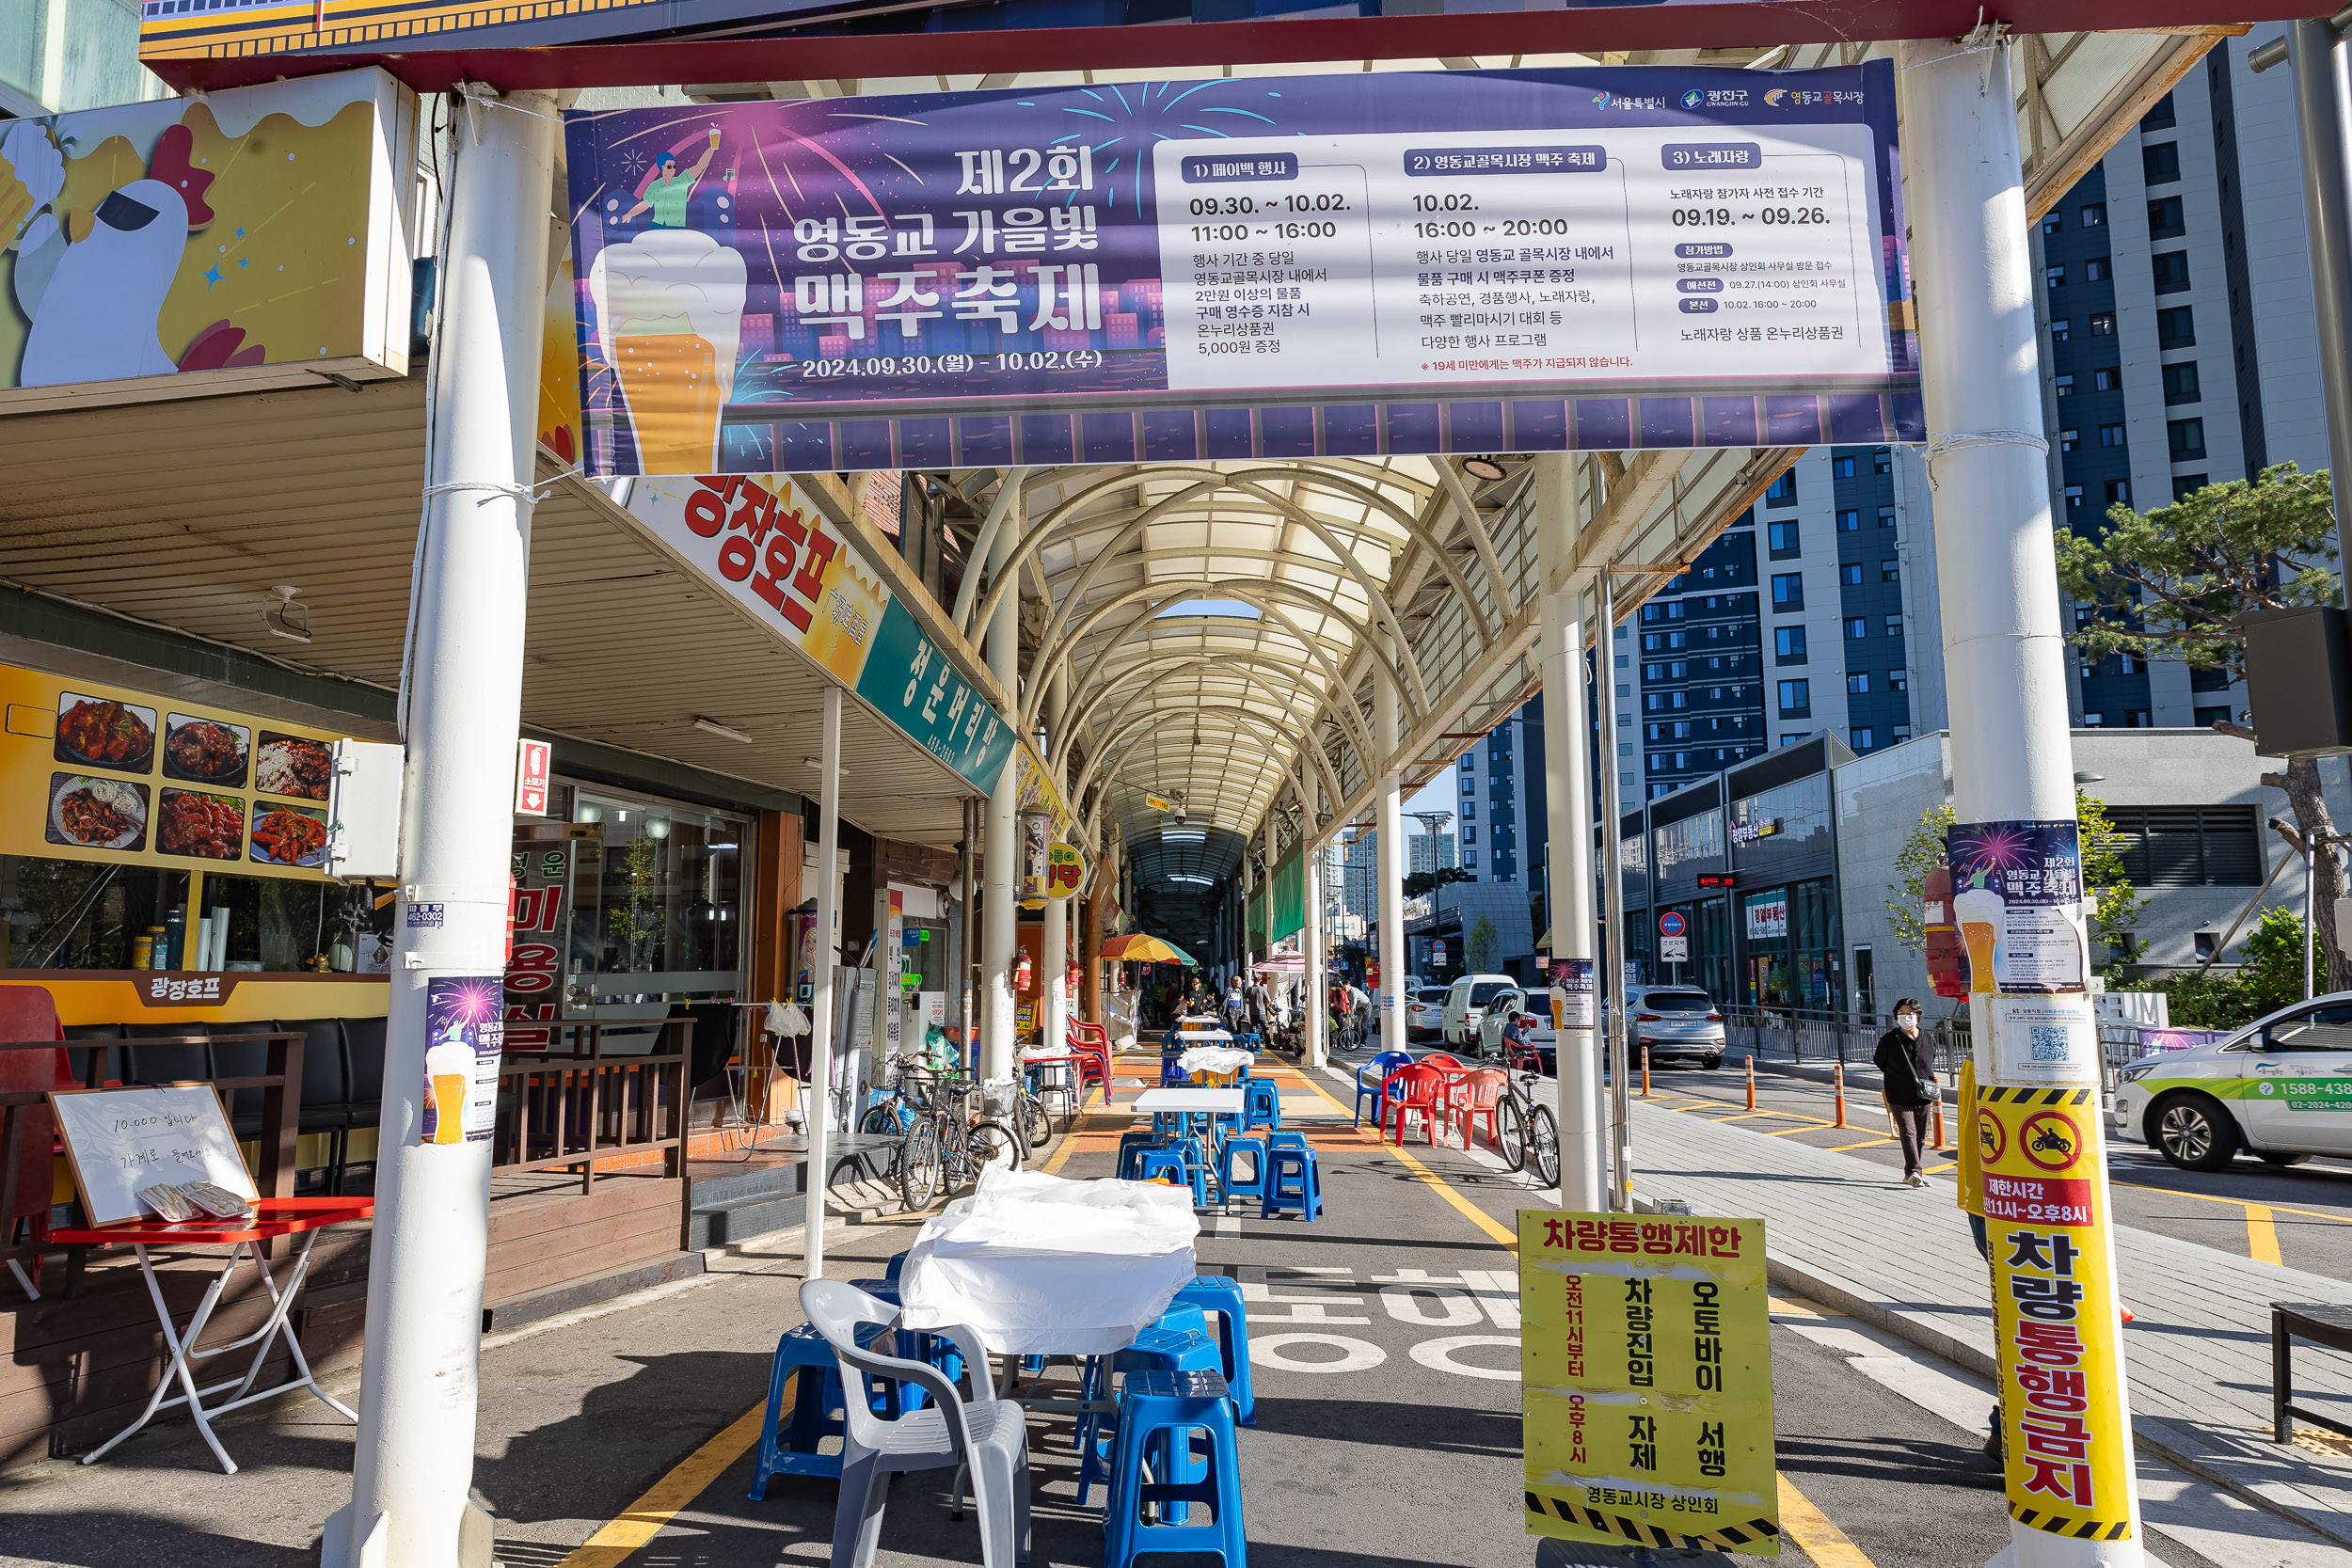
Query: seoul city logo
x=1600 y=100
x=2268 y=1088
x=1692 y=99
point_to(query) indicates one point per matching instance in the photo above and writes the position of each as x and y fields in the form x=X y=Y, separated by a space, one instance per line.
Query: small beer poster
x=464 y=1035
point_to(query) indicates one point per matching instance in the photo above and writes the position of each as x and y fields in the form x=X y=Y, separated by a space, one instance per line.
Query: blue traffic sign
x=1671 y=924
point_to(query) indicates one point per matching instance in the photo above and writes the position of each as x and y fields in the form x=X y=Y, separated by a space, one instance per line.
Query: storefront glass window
x=77 y=914
x=656 y=903
x=1693 y=838
x=1791 y=940
x=279 y=925
x=1781 y=823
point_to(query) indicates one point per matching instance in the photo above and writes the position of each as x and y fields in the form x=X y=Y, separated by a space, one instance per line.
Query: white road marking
x=1437 y=1355
x=1356 y=1355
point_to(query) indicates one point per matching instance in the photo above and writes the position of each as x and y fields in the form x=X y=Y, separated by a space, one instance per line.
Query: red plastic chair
x=1419 y=1087
x=1440 y=1058
x=1092 y=1042
x=1471 y=1095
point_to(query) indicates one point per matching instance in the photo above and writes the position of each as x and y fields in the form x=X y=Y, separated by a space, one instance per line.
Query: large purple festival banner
x=1357 y=264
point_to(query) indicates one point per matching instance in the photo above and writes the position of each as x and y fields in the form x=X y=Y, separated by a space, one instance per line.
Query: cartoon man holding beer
x=668 y=192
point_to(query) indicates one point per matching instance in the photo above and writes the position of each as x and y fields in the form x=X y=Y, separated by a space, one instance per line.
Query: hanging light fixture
x=1487 y=468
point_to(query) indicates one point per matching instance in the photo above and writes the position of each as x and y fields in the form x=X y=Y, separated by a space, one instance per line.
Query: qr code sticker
x=2048 y=1043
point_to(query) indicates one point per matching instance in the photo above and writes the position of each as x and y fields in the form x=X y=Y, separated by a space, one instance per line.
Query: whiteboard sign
x=122 y=1140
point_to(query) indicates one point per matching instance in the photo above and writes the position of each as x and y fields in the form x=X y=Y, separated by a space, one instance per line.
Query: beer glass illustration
x=1979 y=912
x=447 y=1075
x=670 y=319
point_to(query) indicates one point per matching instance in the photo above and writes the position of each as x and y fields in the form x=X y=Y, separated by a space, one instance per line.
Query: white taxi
x=2280 y=1090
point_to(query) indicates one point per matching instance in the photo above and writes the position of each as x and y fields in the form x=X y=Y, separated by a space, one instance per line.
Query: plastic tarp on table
x=1214 y=1058
x=1037 y=1265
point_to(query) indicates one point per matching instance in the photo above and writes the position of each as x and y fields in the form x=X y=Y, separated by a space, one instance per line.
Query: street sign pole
x=2064 y=1412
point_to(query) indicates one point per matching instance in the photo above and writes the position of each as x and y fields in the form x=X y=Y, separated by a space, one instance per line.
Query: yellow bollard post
x=1645 y=1094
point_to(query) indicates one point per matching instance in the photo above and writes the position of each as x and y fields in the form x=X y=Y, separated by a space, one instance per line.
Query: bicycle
x=1524 y=1126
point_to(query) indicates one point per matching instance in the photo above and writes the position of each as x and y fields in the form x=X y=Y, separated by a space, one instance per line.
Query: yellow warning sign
x=1646 y=1377
x=2062 y=1415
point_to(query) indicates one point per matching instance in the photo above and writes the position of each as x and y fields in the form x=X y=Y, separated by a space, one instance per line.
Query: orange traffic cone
x=1645 y=1094
x=1751 y=1081
x=1939 y=1127
x=1838 y=1077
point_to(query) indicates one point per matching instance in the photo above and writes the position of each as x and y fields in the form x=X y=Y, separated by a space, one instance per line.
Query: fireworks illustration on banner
x=1996 y=846
x=468 y=1003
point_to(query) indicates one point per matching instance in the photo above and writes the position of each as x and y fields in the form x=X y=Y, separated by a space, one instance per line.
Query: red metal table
x=273 y=1218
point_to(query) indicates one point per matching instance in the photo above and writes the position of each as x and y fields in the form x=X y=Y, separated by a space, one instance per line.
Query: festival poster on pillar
x=1647 y=1379
x=2017 y=898
x=464 y=1036
x=1243 y=267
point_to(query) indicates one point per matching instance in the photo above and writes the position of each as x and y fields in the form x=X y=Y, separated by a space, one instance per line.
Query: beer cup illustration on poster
x=2017 y=899
x=465 y=1036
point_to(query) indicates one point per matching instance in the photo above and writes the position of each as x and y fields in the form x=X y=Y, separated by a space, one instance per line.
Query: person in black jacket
x=1906 y=1064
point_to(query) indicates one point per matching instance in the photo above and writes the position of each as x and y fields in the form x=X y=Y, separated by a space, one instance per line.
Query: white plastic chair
x=986 y=1435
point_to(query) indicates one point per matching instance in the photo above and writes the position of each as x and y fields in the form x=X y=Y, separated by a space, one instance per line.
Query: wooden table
x=273 y=1218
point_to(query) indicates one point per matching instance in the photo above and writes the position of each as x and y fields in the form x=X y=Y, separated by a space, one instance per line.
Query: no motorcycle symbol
x=2050 y=1139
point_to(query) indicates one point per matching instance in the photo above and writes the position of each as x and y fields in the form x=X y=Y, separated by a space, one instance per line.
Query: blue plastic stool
x=1276 y=1138
x=1159 y=1414
x=1157 y=1349
x=1228 y=1185
x=897 y=1263
x=1131 y=1147
x=816 y=1414
x=1174 y=1160
x=1263 y=1105
x=1221 y=1294
x=1294 y=1184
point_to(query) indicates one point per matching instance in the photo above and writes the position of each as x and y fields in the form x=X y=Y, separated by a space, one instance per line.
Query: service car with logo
x=2280 y=1090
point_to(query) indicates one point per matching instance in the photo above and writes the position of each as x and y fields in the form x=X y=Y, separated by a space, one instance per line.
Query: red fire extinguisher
x=1022 y=970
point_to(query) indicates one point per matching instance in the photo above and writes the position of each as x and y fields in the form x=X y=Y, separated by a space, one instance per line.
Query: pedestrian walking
x=1906 y=1064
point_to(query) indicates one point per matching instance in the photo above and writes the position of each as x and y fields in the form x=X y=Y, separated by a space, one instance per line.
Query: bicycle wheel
x=1543 y=1146
x=1511 y=1131
x=879 y=1121
x=919 y=1166
x=992 y=1143
x=1035 y=1122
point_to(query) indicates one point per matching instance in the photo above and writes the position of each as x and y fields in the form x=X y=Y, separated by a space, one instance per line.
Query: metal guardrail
x=1802 y=1035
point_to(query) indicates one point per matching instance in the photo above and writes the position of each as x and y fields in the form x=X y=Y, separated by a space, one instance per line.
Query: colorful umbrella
x=1135 y=947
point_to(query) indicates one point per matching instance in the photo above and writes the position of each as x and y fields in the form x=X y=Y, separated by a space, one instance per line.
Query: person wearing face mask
x=1906 y=1064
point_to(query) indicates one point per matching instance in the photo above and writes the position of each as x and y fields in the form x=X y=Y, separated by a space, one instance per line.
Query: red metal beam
x=1675 y=25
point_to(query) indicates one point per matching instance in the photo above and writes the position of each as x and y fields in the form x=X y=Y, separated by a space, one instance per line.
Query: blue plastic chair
x=1131 y=1147
x=1221 y=1294
x=1261 y=1105
x=1294 y=1185
x=1372 y=1075
x=1160 y=1413
x=1177 y=1161
x=1172 y=1076
x=897 y=1265
x=815 y=1413
x=1230 y=1185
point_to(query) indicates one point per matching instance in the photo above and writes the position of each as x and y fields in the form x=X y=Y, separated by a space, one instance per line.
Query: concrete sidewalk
x=1849 y=1234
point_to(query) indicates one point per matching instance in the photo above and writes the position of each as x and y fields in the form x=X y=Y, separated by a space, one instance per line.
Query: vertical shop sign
x=1645 y=1366
x=535 y=762
x=538 y=901
x=463 y=1038
x=2064 y=1417
x=2017 y=897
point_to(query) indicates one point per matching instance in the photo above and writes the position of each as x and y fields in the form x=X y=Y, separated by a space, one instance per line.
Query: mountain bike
x=1525 y=1127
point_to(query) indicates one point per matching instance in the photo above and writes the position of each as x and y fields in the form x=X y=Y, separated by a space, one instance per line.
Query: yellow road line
x=1809 y=1527
x=1477 y=1217
x=2208 y=1198
x=2261 y=1237
x=643 y=1519
x=1866 y=1143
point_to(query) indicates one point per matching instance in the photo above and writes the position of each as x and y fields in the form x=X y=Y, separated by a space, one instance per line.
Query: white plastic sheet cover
x=1038 y=1265
x=1214 y=1058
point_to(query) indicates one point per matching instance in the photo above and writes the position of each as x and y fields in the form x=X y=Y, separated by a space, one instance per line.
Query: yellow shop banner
x=2055 y=1311
x=1647 y=1378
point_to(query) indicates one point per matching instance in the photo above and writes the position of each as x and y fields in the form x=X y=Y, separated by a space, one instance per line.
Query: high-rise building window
x=2094 y=720
x=1784 y=489
x=1863 y=740
x=2180 y=383
x=2166 y=219
x=2103 y=324
x=1886 y=516
x=2186 y=438
x=2062 y=330
x=1858 y=626
x=2185 y=485
x=1796 y=698
x=2069 y=440
x=2073 y=497
x=1789 y=590
x=2099 y=269
x=1782 y=539
x=1858 y=683
x=2055 y=277
x=1890 y=570
x=2052 y=223
x=1883 y=461
x=1851 y=574
x=2161 y=163
x=2119 y=491
x=2062 y=384
x=2177 y=327
x=1788 y=644
x=1849 y=521
x=2170 y=271
x=2111 y=436
x=2161 y=117
x=1843 y=465
x=1894 y=626
x=2094 y=214
x=2135 y=718
x=2108 y=380
x=1900 y=734
x=1898 y=680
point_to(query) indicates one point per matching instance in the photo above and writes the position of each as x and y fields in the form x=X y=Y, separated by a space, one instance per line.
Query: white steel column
x=1611 y=980
x=999 y=913
x=1056 y=1015
x=817 y=1113
x=1387 y=734
x=2004 y=651
x=1311 y=983
x=1568 y=801
x=413 y=1460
